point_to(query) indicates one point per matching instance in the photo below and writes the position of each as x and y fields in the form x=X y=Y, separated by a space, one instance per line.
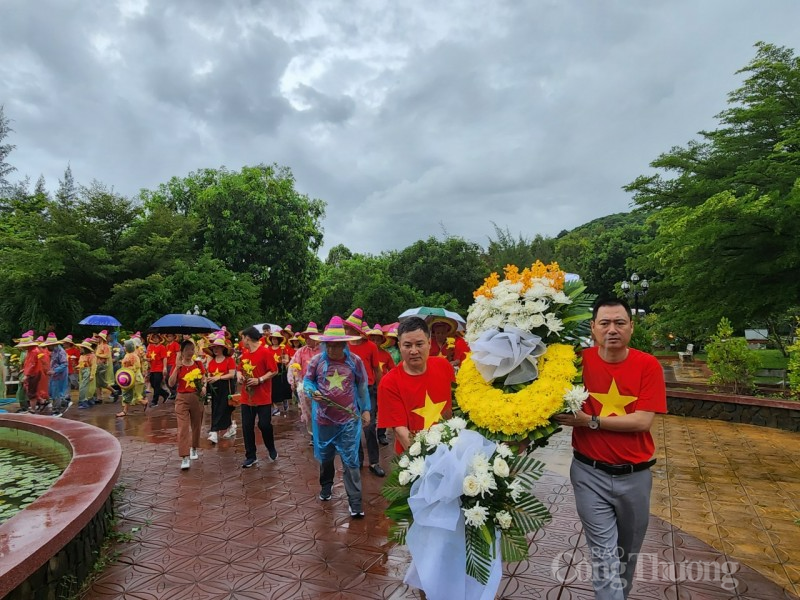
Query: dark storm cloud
x=406 y=119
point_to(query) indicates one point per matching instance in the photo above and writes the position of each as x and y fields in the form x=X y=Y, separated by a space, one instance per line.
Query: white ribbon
x=511 y=353
x=436 y=538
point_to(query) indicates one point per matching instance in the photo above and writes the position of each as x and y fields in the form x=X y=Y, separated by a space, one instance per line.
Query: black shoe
x=23 y=410
x=153 y=404
x=273 y=454
x=324 y=496
x=383 y=441
x=376 y=470
x=250 y=462
x=356 y=514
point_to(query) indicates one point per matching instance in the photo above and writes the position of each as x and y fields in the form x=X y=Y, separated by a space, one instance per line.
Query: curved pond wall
x=49 y=547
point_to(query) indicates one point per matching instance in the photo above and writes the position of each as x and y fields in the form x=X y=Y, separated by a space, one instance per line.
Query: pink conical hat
x=51 y=340
x=334 y=332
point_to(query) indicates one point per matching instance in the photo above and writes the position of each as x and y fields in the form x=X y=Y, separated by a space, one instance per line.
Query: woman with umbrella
x=221 y=371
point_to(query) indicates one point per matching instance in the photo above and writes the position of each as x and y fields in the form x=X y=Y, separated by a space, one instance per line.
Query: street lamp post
x=635 y=288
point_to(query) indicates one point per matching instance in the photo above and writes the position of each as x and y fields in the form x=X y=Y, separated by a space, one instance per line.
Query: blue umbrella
x=101 y=321
x=179 y=323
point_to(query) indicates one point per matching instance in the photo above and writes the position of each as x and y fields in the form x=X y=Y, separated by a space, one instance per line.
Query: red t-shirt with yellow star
x=367 y=351
x=415 y=401
x=156 y=353
x=636 y=383
x=385 y=361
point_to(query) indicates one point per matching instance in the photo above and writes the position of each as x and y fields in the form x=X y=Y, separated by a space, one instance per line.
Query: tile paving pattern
x=723 y=495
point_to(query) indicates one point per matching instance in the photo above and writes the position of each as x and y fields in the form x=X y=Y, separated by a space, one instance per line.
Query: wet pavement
x=725 y=498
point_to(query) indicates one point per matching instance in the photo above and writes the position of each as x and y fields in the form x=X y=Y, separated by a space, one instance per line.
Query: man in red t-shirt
x=256 y=370
x=386 y=364
x=368 y=353
x=613 y=448
x=173 y=348
x=73 y=355
x=157 y=360
x=418 y=392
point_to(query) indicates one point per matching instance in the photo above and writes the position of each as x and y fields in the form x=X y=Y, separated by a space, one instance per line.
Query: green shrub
x=730 y=360
x=793 y=368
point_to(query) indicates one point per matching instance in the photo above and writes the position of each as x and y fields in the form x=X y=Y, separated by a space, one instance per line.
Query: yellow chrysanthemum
x=520 y=412
x=538 y=271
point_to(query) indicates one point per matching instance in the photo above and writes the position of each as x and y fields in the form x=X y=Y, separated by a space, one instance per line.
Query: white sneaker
x=231 y=433
x=193 y=454
x=185 y=463
x=212 y=437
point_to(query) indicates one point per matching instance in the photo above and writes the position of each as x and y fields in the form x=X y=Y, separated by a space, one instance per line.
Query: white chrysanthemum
x=433 y=437
x=537 y=321
x=486 y=482
x=536 y=306
x=537 y=290
x=404 y=477
x=476 y=516
x=437 y=427
x=504 y=519
x=417 y=467
x=575 y=397
x=553 y=323
x=561 y=298
x=515 y=489
x=456 y=423
x=503 y=450
x=404 y=461
x=479 y=463
x=415 y=449
x=500 y=467
x=470 y=486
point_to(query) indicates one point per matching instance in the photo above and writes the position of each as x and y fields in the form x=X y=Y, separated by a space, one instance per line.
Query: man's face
x=335 y=350
x=415 y=348
x=612 y=329
x=439 y=332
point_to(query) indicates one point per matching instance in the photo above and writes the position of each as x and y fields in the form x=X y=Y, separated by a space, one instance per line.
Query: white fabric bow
x=511 y=353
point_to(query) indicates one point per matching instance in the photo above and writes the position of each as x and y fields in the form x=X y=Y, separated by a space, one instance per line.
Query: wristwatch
x=594 y=423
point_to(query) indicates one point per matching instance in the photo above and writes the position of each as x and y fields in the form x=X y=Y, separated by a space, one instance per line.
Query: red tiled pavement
x=220 y=532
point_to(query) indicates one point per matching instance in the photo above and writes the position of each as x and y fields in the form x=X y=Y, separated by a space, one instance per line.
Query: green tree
x=229 y=298
x=730 y=360
x=451 y=267
x=793 y=368
x=504 y=249
x=5 y=149
x=727 y=215
x=255 y=222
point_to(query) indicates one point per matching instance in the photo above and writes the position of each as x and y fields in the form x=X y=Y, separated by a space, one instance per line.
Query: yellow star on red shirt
x=152 y=356
x=431 y=412
x=336 y=380
x=613 y=402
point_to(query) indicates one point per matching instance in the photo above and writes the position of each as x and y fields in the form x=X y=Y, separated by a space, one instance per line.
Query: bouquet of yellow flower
x=521 y=372
x=194 y=378
x=248 y=367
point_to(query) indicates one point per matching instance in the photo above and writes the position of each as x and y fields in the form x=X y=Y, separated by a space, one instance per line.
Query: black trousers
x=155 y=382
x=371 y=431
x=264 y=415
x=220 y=411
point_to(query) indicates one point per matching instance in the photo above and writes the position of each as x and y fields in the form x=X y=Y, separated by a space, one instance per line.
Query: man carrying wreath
x=418 y=392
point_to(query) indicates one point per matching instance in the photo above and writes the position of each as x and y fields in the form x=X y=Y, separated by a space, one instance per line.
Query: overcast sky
x=407 y=118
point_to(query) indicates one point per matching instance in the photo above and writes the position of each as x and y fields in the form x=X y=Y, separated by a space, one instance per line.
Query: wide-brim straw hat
x=334 y=332
x=355 y=322
x=26 y=342
x=68 y=340
x=376 y=330
x=51 y=340
x=104 y=335
x=311 y=329
x=275 y=334
x=87 y=343
x=218 y=343
x=452 y=325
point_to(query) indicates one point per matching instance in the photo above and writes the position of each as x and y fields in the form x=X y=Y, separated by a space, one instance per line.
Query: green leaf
x=399 y=530
x=529 y=514
x=513 y=545
x=479 y=562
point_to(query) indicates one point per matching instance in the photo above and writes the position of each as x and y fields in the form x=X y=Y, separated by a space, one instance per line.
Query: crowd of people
x=332 y=375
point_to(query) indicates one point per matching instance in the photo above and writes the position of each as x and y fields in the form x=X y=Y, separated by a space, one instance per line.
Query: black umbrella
x=179 y=323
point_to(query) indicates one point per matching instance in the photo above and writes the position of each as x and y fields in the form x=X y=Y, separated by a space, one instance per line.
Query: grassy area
x=770 y=359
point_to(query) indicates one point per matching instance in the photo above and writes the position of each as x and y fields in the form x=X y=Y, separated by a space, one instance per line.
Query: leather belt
x=626 y=469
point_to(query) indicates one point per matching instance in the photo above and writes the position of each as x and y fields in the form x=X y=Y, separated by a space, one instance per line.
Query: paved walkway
x=722 y=526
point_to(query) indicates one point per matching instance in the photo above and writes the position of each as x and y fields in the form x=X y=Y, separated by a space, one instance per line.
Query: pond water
x=23 y=478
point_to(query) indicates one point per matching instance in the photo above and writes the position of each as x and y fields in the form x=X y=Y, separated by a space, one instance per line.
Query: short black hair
x=601 y=302
x=185 y=343
x=266 y=327
x=413 y=324
x=252 y=333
